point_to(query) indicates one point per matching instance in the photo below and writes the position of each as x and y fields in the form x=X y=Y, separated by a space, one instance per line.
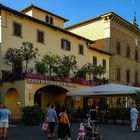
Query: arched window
x=128 y=52
x=118 y=48
x=128 y=76
x=136 y=78
x=118 y=74
x=136 y=55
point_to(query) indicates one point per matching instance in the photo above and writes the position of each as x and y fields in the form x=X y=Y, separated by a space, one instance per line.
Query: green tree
x=98 y=71
x=90 y=69
x=85 y=69
x=28 y=53
x=12 y=55
x=68 y=63
x=40 y=67
x=51 y=62
x=81 y=73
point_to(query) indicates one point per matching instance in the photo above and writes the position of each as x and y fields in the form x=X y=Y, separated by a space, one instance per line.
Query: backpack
x=63 y=119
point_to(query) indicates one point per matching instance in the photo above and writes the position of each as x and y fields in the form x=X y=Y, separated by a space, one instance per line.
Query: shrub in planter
x=80 y=113
x=32 y=115
x=113 y=115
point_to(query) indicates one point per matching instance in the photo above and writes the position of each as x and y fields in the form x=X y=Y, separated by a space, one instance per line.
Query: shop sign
x=46 y=82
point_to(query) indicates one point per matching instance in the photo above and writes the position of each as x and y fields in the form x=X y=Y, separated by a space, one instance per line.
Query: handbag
x=45 y=127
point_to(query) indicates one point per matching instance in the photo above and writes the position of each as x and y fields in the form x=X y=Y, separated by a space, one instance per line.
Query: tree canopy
x=25 y=53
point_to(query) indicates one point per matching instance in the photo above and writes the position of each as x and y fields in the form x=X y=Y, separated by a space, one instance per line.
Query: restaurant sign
x=46 y=82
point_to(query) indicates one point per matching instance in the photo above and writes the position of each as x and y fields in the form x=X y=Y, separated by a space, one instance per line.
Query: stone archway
x=50 y=94
x=12 y=101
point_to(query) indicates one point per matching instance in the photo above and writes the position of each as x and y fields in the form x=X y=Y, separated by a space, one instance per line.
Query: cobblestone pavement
x=109 y=132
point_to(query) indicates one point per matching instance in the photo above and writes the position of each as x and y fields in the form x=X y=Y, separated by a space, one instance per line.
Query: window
x=40 y=36
x=94 y=61
x=118 y=48
x=136 y=55
x=136 y=78
x=49 y=19
x=118 y=74
x=17 y=29
x=128 y=76
x=65 y=44
x=104 y=63
x=128 y=52
x=81 y=49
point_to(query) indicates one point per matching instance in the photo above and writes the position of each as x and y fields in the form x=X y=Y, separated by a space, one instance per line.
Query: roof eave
x=42 y=22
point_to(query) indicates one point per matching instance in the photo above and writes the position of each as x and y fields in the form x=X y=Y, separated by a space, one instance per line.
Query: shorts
x=4 y=123
x=81 y=132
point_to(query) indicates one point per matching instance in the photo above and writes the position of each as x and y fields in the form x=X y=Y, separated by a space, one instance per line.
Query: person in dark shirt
x=93 y=113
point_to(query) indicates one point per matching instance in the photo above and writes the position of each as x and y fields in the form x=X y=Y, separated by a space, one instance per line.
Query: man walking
x=51 y=118
x=133 y=116
x=4 y=120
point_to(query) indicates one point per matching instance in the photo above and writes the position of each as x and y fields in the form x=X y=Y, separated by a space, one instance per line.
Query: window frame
x=104 y=63
x=118 y=48
x=128 y=76
x=94 y=59
x=118 y=74
x=136 y=77
x=128 y=52
x=81 y=49
x=42 y=39
x=136 y=55
x=65 y=44
x=49 y=19
x=17 y=33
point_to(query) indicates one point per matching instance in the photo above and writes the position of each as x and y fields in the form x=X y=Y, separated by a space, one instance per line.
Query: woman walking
x=64 y=125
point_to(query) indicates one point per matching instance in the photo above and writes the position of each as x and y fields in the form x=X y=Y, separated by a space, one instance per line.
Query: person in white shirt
x=133 y=117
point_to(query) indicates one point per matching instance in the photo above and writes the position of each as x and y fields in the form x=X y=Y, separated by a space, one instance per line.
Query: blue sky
x=79 y=10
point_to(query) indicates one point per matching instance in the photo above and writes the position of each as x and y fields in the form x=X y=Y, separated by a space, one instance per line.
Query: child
x=81 y=132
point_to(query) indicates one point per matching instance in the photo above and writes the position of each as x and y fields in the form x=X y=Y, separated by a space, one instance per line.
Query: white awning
x=106 y=89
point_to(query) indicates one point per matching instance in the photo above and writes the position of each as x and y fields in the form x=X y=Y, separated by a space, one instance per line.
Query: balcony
x=11 y=77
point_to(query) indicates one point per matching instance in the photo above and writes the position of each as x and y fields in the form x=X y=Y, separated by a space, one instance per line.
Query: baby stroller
x=91 y=132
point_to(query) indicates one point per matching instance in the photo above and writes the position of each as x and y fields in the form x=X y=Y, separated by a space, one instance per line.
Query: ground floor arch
x=12 y=101
x=52 y=94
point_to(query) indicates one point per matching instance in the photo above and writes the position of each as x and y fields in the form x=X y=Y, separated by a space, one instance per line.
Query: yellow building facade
x=45 y=31
x=117 y=36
